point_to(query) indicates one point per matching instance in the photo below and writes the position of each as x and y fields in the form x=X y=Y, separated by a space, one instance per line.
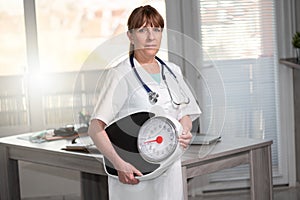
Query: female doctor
x=126 y=90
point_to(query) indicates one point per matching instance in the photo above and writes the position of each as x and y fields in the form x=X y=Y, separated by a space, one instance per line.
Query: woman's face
x=146 y=40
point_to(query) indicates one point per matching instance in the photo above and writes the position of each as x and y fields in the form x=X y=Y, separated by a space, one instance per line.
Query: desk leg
x=93 y=187
x=261 y=174
x=9 y=173
x=184 y=183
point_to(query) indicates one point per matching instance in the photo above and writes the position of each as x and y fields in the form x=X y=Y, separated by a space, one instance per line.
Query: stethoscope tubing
x=152 y=95
x=163 y=74
x=138 y=76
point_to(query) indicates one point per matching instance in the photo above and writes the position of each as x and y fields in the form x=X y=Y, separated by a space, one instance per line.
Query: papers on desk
x=205 y=139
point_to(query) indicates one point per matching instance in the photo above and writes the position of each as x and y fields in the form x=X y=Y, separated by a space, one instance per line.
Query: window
x=68 y=32
x=239 y=36
x=12 y=38
x=45 y=87
x=13 y=99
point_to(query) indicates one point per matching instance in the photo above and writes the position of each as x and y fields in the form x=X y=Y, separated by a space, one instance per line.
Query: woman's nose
x=150 y=34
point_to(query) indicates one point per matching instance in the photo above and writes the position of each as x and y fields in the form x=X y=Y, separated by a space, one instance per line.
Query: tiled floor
x=282 y=193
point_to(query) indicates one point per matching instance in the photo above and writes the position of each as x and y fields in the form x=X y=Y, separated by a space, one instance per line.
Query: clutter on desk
x=84 y=118
x=40 y=136
x=53 y=134
x=66 y=132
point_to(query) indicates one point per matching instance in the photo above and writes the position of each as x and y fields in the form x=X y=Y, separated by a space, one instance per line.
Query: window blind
x=239 y=36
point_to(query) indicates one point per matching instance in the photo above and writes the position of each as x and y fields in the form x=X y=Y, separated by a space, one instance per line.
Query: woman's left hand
x=185 y=138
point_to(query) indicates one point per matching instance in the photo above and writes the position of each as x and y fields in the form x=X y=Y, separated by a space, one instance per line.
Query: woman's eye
x=142 y=30
x=157 y=29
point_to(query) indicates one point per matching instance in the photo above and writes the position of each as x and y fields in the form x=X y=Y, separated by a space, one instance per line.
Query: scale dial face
x=157 y=139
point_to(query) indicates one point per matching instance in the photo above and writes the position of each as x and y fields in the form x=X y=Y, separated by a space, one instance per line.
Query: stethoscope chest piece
x=153 y=96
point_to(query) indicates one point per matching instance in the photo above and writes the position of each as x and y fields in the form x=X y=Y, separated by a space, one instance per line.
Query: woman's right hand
x=127 y=173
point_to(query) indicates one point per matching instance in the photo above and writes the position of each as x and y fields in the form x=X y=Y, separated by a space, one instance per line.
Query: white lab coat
x=121 y=93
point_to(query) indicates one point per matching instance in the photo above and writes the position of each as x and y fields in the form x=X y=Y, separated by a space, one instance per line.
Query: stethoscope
x=153 y=95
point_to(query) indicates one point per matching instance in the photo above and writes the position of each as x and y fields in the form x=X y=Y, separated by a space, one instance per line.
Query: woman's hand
x=185 y=138
x=127 y=173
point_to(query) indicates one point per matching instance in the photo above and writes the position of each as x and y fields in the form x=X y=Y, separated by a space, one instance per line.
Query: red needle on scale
x=158 y=139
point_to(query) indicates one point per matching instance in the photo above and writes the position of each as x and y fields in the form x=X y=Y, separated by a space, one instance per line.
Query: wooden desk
x=228 y=153
x=231 y=152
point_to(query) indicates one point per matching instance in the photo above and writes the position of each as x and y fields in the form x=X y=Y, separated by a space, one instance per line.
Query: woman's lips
x=150 y=46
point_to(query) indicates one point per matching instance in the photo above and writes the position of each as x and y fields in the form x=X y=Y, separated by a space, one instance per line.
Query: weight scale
x=147 y=141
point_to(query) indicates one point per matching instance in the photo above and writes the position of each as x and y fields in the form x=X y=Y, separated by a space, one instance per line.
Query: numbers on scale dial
x=157 y=139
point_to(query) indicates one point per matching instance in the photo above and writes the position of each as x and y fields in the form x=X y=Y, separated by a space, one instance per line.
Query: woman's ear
x=130 y=36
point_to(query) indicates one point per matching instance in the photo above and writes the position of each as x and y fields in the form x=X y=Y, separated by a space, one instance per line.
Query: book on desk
x=205 y=139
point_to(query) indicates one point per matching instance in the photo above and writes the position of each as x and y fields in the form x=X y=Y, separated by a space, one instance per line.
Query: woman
x=123 y=93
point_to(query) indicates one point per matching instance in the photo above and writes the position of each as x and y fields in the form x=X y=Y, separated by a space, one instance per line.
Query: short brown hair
x=145 y=15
